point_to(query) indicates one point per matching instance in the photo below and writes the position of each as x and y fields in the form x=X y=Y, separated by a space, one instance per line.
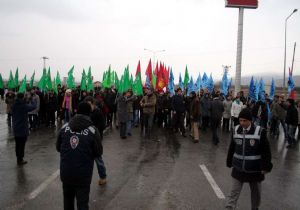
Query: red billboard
x=253 y=4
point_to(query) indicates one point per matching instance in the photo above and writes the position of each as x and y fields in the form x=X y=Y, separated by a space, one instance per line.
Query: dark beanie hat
x=246 y=114
x=84 y=108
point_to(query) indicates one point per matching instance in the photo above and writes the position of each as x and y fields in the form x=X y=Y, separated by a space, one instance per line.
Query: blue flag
x=252 y=90
x=148 y=83
x=224 y=83
x=272 y=90
x=204 y=81
x=262 y=90
x=210 y=86
x=291 y=83
x=180 y=82
x=198 y=83
x=171 y=85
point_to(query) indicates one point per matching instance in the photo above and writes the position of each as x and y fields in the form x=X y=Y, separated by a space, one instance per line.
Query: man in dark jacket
x=250 y=156
x=216 y=113
x=20 y=111
x=51 y=107
x=292 y=122
x=98 y=120
x=178 y=107
x=79 y=143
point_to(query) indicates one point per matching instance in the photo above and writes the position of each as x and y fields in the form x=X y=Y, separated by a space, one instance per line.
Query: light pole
x=154 y=53
x=45 y=58
x=284 y=67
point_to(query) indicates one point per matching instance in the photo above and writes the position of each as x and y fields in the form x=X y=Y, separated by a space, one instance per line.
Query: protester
x=250 y=156
x=19 y=112
x=67 y=105
x=79 y=143
x=148 y=103
x=178 y=107
x=292 y=123
x=216 y=113
x=195 y=113
x=227 y=113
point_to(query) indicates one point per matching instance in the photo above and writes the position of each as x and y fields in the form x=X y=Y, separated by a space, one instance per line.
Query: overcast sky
x=199 y=33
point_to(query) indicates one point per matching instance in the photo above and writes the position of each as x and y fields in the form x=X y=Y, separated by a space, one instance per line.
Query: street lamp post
x=45 y=58
x=284 y=67
x=154 y=53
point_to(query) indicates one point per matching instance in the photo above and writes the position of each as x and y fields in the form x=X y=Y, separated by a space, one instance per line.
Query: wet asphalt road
x=143 y=174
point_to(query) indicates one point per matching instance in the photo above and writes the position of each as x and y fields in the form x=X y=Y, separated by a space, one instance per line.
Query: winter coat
x=51 y=103
x=149 y=102
x=279 y=111
x=178 y=104
x=264 y=151
x=98 y=120
x=227 y=109
x=79 y=143
x=236 y=108
x=20 y=111
x=130 y=101
x=36 y=99
x=205 y=104
x=216 y=109
x=195 y=109
x=122 y=109
x=292 y=116
x=9 y=100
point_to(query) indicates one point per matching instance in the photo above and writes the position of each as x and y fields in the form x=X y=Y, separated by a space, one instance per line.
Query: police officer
x=79 y=143
x=250 y=156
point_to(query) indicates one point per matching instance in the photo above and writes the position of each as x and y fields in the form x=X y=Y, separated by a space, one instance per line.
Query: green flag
x=11 y=81
x=55 y=86
x=117 y=82
x=1 y=82
x=126 y=79
x=137 y=86
x=57 y=79
x=32 y=80
x=70 y=81
x=153 y=80
x=90 y=85
x=42 y=82
x=48 y=80
x=17 y=78
x=186 y=77
x=22 y=88
x=83 y=81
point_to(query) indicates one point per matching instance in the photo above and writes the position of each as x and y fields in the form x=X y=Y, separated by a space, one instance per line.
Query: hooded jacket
x=79 y=143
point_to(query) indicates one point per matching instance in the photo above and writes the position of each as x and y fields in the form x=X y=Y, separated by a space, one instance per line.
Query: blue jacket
x=178 y=104
x=20 y=111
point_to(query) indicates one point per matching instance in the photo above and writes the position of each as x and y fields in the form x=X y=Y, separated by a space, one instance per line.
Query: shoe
x=290 y=146
x=22 y=162
x=129 y=134
x=102 y=181
x=123 y=137
x=183 y=135
x=196 y=141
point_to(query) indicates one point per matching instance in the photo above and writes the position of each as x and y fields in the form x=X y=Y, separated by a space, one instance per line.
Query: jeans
x=148 y=122
x=136 y=117
x=81 y=193
x=128 y=126
x=20 y=147
x=101 y=167
x=291 y=134
x=284 y=126
x=67 y=115
x=33 y=120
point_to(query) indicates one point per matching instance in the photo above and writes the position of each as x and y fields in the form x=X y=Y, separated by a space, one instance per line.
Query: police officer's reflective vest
x=247 y=154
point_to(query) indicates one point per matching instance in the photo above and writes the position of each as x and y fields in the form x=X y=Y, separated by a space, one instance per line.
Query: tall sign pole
x=241 y=4
x=238 y=71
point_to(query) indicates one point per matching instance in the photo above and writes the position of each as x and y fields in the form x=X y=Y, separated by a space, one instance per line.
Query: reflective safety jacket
x=247 y=154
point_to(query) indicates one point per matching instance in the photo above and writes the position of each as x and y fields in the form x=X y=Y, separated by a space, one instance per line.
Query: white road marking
x=212 y=182
x=43 y=185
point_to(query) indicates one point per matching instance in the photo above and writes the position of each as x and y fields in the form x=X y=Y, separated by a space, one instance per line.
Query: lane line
x=43 y=185
x=212 y=182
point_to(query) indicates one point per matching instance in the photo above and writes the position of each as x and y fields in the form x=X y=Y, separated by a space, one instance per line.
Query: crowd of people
x=86 y=115
x=180 y=112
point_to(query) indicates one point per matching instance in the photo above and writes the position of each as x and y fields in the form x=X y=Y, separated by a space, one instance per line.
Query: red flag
x=293 y=95
x=156 y=69
x=149 y=70
x=160 y=81
x=138 y=69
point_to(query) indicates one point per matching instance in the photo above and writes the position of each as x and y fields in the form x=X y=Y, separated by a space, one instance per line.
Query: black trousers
x=20 y=147
x=81 y=193
x=214 y=127
x=122 y=129
x=226 y=124
x=178 y=122
x=50 y=117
